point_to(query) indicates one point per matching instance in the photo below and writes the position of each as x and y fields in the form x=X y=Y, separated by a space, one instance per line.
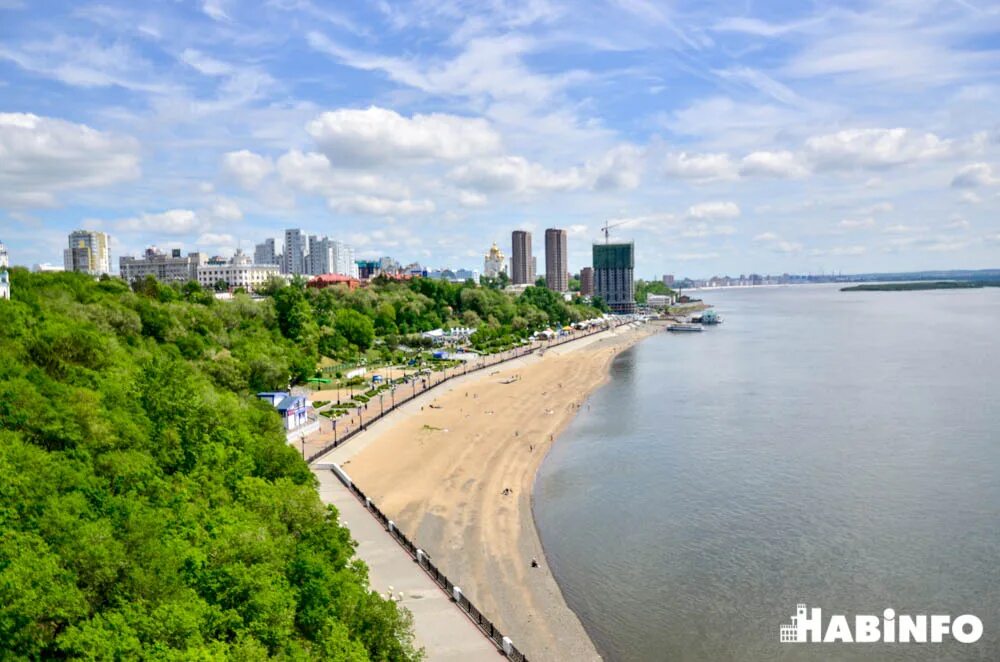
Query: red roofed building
x=327 y=280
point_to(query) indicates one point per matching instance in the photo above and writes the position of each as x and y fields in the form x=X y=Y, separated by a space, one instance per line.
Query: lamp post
x=381 y=408
x=392 y=393
x=335 y=432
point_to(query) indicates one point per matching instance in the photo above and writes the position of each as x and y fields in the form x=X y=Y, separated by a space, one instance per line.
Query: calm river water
x=840 y=449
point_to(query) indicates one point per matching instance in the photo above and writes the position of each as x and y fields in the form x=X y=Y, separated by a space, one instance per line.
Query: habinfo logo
x=807 y=626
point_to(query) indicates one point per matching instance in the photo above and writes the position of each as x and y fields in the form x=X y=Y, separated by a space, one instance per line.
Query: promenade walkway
x=440 y=628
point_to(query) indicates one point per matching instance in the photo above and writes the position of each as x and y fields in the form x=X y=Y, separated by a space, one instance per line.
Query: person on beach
x=534 y=562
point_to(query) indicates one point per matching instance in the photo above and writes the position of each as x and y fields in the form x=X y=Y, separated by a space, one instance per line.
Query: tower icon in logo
x=794 y=631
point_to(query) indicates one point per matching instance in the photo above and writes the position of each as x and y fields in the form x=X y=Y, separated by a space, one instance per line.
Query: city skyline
x=789 y=139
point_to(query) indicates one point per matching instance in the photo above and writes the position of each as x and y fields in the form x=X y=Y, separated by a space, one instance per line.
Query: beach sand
x=440 y=471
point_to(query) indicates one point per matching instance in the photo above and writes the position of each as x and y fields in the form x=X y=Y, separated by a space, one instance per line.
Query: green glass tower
x=614 y=267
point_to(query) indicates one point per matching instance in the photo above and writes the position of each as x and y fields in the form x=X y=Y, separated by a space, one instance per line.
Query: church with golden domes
x=494 y=263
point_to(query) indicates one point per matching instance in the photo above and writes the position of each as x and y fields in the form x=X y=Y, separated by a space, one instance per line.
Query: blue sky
x=725 y=137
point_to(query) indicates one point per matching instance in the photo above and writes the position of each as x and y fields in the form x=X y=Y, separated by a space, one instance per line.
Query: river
x=839 y=449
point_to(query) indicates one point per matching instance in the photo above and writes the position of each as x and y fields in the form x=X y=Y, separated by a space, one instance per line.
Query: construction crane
x=607 y=227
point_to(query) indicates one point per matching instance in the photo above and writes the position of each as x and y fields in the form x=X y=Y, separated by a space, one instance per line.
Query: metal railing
x=383 y=411
x=502 y=643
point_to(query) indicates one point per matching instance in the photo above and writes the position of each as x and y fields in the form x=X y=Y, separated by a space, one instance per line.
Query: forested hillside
x=149 y=506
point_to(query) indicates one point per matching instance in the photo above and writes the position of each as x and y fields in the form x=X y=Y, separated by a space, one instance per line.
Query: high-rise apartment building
x=668 y=280
x=321 y=258
x=343 y=260
x=266 y=253
x=614 y=266
x=587 y=282
x=329 y=256
x=294 y=257
x=89 y=252
x=556 y=260
x=521 y=260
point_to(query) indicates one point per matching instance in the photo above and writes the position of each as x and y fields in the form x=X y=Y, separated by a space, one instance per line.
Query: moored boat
x=688 y=328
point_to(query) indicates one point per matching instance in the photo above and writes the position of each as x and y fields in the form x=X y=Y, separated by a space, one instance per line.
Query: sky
x=720 y=137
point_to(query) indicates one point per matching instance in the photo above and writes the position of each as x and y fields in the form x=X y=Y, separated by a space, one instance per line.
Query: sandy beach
x=455 y=471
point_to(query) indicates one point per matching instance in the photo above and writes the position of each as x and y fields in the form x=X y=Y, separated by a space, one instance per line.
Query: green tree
x=356 y=328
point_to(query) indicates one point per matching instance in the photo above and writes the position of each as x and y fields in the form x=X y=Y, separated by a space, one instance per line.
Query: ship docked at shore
x=685 y=327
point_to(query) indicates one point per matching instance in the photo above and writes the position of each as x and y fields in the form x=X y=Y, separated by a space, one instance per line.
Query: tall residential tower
x=556 y=270
x=521 y=260
x=88 y=252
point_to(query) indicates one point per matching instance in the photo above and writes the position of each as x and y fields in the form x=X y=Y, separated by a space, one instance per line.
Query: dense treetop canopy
x=149 y=506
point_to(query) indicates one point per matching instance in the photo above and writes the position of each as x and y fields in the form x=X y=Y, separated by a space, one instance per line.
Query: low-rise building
x=293 y=409
x=238 y=272
x=329 y=280
x=659 y=300
x=166 y=268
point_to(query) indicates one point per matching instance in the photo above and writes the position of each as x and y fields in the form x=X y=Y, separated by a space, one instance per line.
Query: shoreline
x=453 y=470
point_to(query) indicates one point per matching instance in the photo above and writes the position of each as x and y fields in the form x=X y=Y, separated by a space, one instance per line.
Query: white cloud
x=215 y=9
x=172 y=221
x=878 y=208
x=957 y=224
x=246 y=168
x=840 y=251
x=857 y=223
x=853 y=149
x=700 y=167
x=87 y=63
x=205 y=64
x=700 y=230
x=691 y=257
x=215 y=240
x=41 y=157
x=975 y=175
x=513 y=174
x=363 y=204
x=224 y=209
x=488 y=68
x=472 y=199
x=766 y=236
x=352 y=138
x=786 y=247
x=714 y=210
x=312 y=172
x=619 y=168
x=772 y=164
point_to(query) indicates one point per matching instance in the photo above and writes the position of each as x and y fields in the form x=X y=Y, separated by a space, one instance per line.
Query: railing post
x=508 y=646
x=456 y=594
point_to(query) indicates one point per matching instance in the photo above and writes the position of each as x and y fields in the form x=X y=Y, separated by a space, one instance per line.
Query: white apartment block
x=240 y=271
x=294 y=258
